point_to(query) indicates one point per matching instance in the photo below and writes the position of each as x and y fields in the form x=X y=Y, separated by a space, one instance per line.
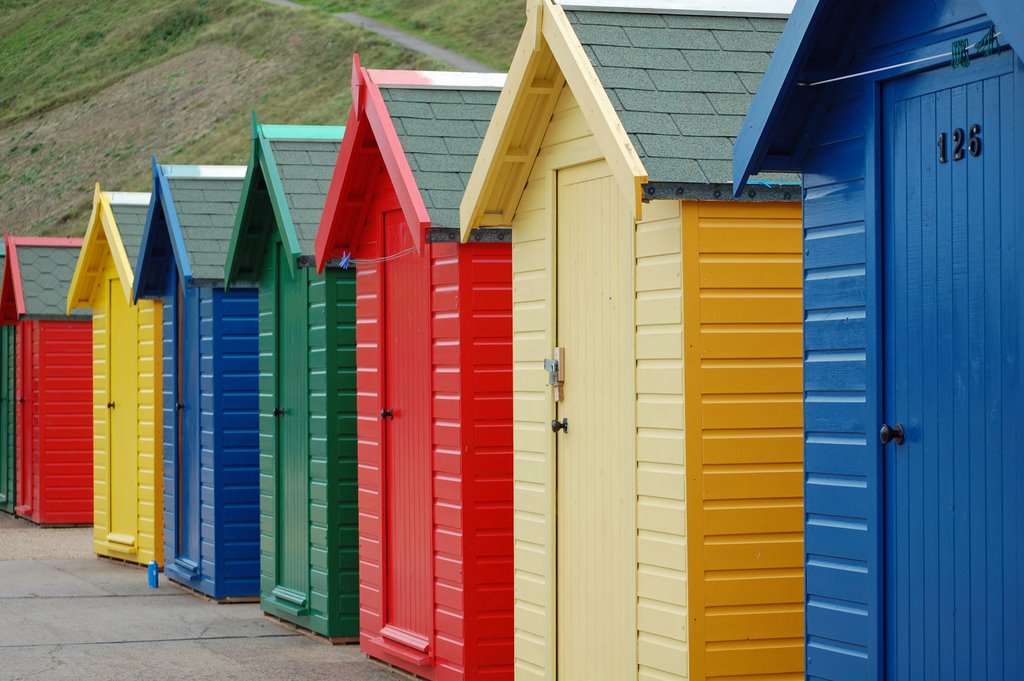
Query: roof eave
x=770 y=104
x=101 y=220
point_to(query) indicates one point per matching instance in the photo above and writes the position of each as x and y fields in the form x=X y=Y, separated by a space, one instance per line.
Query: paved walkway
x=406 y=40
x=87 y=619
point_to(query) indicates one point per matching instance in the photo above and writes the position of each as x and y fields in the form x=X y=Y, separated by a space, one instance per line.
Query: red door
x=408 y=597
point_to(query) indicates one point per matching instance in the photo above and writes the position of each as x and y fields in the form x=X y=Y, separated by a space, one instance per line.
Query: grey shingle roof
x=681 y=84
x=46 y=273
x=131 y=222
x=441 y=132
x=306 y=167
x=206 y=208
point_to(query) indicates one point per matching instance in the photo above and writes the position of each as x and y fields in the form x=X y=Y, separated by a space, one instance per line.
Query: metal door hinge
x=556 y=373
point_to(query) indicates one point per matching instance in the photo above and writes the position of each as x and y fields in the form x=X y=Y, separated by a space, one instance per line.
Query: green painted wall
x=7 y=406
x=309 y=534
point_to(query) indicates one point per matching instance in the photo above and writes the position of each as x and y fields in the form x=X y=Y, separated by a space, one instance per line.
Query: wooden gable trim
x=101 y=223
x=487 y=202
x=163 y=200
x=12 y=297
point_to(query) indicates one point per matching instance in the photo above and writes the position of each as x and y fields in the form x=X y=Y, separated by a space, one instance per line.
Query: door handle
x=21 y=400
x=387 y=414
x=562 y=425
x=278 y=411
x=179 y=406
x=895 y=433
x=110 y=405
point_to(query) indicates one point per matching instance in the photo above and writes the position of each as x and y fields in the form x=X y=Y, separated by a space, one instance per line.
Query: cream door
x=595 y=488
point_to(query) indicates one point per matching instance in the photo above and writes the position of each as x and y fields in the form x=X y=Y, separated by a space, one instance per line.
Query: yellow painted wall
x=134 y=532
x=656 y=609
x=744 y=445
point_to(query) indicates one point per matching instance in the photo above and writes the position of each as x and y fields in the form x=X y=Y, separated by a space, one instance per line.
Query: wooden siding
x=7 y=420
x=466 y=291
x=744 y=426
x=145 y=495
x=331 y=548
x=228 y=522
x=661 y=587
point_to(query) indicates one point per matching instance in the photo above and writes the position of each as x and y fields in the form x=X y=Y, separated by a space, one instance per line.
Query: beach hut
x=51 y=401
x=126 y=375
x=434 y=375
x=210 y=381
x=657 y=345
x=906 y=121
x=7 y=431
x=308 y=525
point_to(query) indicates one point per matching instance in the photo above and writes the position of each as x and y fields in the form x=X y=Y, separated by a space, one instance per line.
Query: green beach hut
x=309 y=571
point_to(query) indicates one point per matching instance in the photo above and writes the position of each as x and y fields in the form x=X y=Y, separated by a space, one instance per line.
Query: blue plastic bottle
x=154 y=575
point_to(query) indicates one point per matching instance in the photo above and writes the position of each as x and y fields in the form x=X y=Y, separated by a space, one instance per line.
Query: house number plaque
x=972 y=138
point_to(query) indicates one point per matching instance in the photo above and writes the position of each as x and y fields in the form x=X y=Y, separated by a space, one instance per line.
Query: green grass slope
x=485 y=30
x=90 y=89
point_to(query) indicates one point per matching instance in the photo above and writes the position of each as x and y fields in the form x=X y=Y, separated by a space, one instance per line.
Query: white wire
x=922 y=60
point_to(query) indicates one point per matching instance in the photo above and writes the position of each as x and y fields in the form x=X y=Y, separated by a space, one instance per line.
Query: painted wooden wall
x=744 y=447
x=327 y=307
x=228 y=438
x=54 y=423
x=661 y=642
x=7 y=422
x=463 y=372
x=136 y=363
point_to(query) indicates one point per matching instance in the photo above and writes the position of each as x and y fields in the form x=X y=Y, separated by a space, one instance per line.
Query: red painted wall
x=53 y=389
x=456 y=473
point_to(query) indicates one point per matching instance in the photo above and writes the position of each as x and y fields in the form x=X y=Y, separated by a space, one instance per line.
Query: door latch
x=562 y=425
x=897 y=434
x=180 y=406
x=278 y=411
x=110 y=405
x=387 y=414
x=556 y=373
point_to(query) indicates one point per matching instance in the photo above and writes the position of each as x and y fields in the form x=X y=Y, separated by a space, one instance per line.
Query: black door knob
x=110 y=405
x=387 y=414
x=278 y=411
x=895 y=434
x=180 y=406
x=562 y=425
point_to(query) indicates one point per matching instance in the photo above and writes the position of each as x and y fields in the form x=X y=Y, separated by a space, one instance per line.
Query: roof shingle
x=206 y=208
x=46 y=273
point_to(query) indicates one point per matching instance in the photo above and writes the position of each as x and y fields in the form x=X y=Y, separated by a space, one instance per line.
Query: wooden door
x=122 y=420
x=408 y=470
x=954 y=488
x=7 y=416
x=187 y=446
x=292 y=483
x=596 y=466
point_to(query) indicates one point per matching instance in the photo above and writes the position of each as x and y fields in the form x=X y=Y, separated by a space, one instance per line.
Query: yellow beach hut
x=657 y=346
x=128 y=476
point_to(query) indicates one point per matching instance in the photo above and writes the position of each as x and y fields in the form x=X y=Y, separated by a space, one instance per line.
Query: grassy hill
x=90 y=89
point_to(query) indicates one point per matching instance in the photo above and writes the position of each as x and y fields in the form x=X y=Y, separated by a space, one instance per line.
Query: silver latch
x=556 y=372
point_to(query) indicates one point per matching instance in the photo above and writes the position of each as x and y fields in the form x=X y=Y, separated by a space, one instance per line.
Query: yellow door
x=596 y=528
x=121 y=410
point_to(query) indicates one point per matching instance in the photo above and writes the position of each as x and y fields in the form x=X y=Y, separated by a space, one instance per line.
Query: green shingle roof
x=206 y=208
x=441 y=132
x=131 y=222
x=681 y=84
x=305 y=167
x=46 y=273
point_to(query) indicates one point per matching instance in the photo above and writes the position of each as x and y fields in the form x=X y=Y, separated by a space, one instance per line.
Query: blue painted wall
x=840 y=153
x=228 y=439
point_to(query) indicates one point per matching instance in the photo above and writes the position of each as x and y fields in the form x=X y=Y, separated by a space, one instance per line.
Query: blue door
x=954 y=488
x=187 y=412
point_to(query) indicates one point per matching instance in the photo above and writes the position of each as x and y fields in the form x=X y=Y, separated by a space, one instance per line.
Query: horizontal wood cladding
x=744 y=424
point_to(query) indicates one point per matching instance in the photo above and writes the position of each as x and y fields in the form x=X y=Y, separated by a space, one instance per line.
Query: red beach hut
x=53 y=382
x=434 y=380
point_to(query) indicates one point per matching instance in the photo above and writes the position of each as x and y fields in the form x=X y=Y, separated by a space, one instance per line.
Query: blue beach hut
x=907 y=121
x=210 y=381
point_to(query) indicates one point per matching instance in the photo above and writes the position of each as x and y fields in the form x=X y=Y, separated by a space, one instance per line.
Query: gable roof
x=115 y=228
x=663 y=86
x=422 y=128
x=36 y=276
x=772 y=132
x=191 y=222
x=285 y=188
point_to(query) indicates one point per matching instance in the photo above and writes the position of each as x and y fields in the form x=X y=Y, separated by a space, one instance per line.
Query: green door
x=7 y=419
x=292 y=447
